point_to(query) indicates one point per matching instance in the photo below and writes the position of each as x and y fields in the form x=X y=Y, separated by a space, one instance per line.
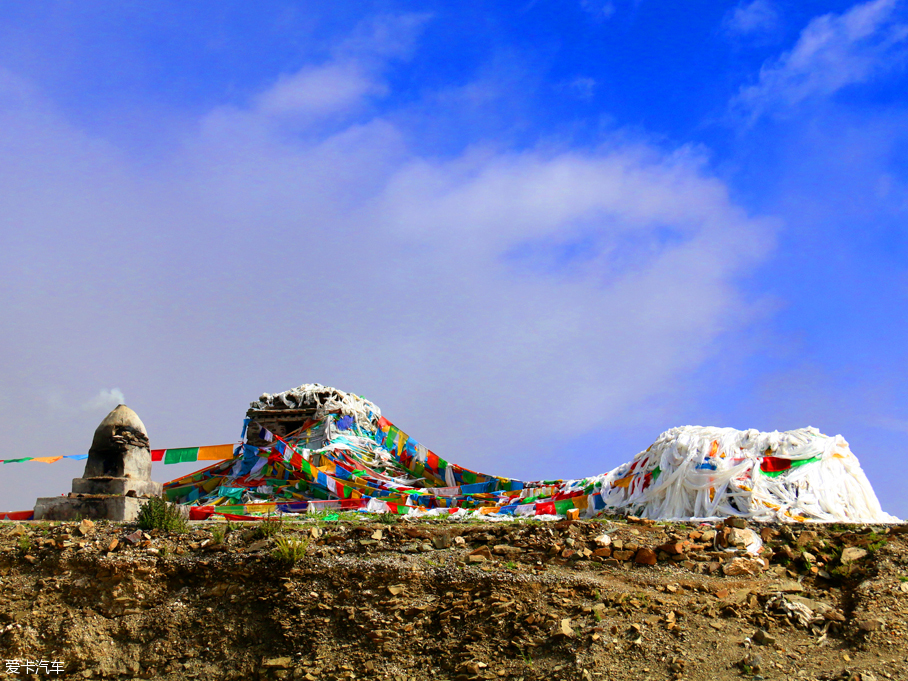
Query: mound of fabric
x=316 y=448
x=697 y=472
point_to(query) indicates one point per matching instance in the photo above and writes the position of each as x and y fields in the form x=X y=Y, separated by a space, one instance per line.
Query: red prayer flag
x=545 y=508
x=200 y=512
x=773 y=464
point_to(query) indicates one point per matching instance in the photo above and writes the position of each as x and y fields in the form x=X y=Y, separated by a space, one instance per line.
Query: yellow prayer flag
x=215 y=453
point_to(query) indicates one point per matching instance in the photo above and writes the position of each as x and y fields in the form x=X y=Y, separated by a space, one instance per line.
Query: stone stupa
x=117 y=474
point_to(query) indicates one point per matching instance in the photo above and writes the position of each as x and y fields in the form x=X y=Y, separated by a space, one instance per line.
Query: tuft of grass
x=218 y=534
x=842 y=571
x=268 y=527
x=157 y=514
x=25 y=543
x=875 y=546
x=289 y=549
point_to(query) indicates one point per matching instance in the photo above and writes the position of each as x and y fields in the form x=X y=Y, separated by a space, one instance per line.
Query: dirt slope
x=406 y=600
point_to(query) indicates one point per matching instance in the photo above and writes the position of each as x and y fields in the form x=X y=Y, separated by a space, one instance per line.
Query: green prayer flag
x=391 y=441
x=234 y=493
x=562 y=507
x=173 y=493
x=182 y=455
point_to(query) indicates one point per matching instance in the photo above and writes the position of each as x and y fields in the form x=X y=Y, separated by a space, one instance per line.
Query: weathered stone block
x=120 y=508
x=117 y=486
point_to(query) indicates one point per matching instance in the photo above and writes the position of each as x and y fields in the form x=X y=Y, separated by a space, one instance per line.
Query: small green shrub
x=218 y=533
x=289 y=549
x=157 y=514
x=269 y=527
x=25 y=543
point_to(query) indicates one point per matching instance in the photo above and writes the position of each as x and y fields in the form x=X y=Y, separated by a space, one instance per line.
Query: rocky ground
x=385 y=598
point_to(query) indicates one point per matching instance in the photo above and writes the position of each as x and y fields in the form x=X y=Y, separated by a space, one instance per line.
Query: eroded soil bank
x=433 y=600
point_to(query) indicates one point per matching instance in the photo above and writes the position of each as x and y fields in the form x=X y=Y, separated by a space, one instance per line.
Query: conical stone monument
x=117 y=474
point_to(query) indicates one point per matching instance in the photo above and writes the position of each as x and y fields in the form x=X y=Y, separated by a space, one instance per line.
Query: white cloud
x=599 y=9
x=353 y=74
x=581 y=87
x=503 y=297
x=758 y=16
x=488 y=282
x=105 y=400
x=387 y=36
x=832 y=52
x=327 y=89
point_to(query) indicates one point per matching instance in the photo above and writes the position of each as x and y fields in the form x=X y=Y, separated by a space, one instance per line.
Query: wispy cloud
x=581 y=87
x=105 y=400
x=748 y=18
x=598 y=9
x=832 y=52
x=320 y=90
x=343 y=84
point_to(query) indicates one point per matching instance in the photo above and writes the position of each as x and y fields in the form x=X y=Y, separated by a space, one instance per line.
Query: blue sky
x=537 y=234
